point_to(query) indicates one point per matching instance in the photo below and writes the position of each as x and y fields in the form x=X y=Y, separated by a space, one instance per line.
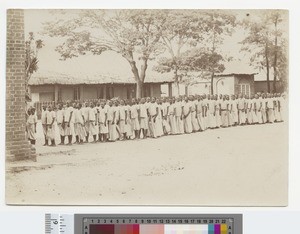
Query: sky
x=112 y=63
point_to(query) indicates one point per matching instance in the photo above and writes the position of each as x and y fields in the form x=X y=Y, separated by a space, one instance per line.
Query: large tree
x=219 y=24
x=279 y=48
x=193 y=37
x=202 y=62
x=182 y=30
x=134 y=34
x=265 y=43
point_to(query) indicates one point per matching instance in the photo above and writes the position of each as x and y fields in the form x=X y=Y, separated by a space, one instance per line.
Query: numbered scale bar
x=143 y=224
x=59 y=224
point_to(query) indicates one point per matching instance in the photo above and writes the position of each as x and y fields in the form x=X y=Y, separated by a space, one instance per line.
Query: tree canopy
x=181 y=41
x=266 y=44
x=134 y=34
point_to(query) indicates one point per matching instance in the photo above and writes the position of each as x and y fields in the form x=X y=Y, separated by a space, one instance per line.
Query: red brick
x=17 y=146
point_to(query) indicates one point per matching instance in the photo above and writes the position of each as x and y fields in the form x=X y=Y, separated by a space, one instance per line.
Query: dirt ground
x=245 y=165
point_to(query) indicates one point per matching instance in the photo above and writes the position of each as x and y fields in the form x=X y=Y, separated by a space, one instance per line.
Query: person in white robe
x=211 y=112
x=79 y=124
x=241 y=110
x=93 y=125
x=122 y=120
x=158 y=121
x=233 y=111
x=171 y=116
x=257 y=108
x=178 y=116
x=143 y=114
x=111 y=121
x=85 y=111
x=270 y=109
x=218 y=109
x=102 y=120
x=51 y=116
x=153 y=113
x=69 y=122
x=165 y=121
x=128 y=128
x=31 y=125
x=134 y=117
x=186 y=115
x=200 y=113
x=195 y=124
x=60 y=123
x=224 y=112
x=44 y=123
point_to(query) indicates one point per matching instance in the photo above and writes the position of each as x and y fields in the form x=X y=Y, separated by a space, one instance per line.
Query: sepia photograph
x=147 y=107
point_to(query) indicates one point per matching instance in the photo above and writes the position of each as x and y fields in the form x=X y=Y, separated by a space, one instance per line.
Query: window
x=245 y=89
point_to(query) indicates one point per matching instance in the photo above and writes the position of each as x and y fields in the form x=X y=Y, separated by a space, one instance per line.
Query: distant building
x=52 y=86
x=261 y=86
x=232 y=83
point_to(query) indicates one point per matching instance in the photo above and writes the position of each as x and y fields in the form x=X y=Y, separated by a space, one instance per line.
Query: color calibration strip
x=158 y=226
x=158 y=229
x=143 y=223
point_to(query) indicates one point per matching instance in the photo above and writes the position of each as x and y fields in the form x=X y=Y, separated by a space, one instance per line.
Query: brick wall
x=17 y=146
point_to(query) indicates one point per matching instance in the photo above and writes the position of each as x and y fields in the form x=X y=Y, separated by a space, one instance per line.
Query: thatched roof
x=50 y=77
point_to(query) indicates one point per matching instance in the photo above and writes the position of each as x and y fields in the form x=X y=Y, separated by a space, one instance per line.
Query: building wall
x=89 y=92
x=42 y=88
x=120 y=91
x=224 y=85
x=262 y=87
x=46 y=96
x=67 y=93
x=200 y=88
x=43 y=93
x=17 y=146
x=156 y=91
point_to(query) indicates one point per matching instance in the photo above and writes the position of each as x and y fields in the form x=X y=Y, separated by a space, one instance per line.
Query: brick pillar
x=17 y=146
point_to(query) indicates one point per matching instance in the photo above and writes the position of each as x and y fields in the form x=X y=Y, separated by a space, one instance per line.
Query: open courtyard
x=238 y=164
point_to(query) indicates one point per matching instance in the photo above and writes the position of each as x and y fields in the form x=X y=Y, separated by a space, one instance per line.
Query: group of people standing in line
x=118 y=119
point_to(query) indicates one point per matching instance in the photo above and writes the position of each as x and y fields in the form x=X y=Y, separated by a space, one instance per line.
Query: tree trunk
x=267 y=66
x=268 y=78
x=139 y=83
x=275 y=60
x=212 y=83
x=275 y=78
x=176 y=82
x=186 y=90
x=139 y=89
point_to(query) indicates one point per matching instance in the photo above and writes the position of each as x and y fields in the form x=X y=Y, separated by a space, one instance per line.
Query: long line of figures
x=117 y=119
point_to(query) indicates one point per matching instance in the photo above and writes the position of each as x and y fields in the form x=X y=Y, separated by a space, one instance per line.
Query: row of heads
x=134 y=101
